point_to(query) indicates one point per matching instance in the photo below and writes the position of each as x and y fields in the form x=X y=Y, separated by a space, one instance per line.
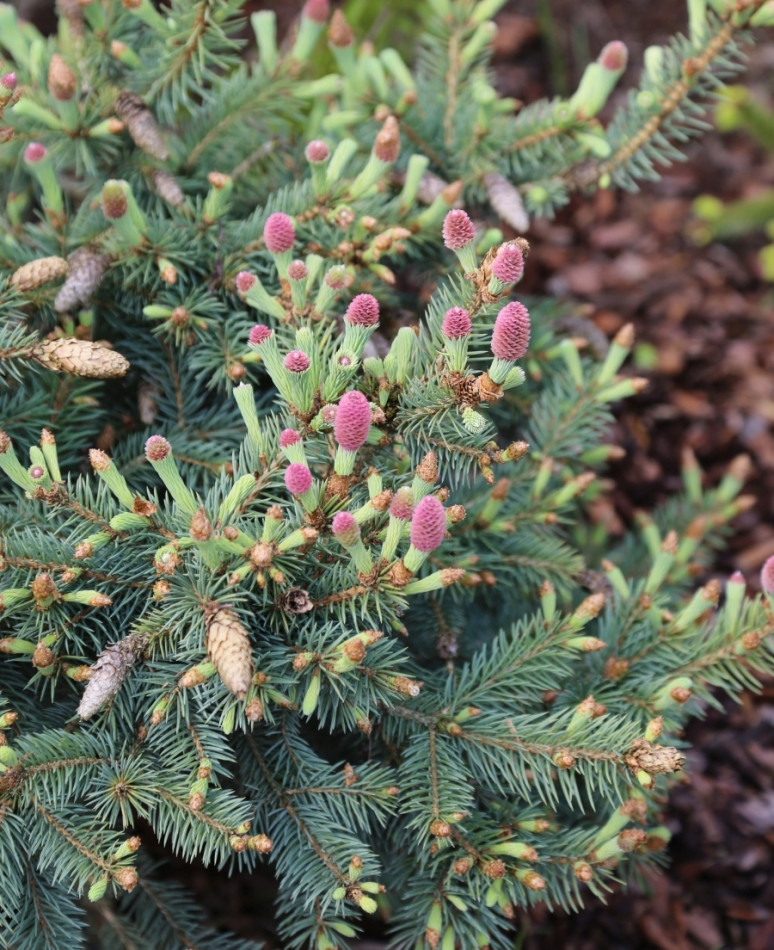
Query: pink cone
x=298 y=479
x=296 y=361
x=428 y=524
x=289 y=437
x=458 y=230
x=456 y=323
x=510 y=337
x=363 y=311
x=353 y=420
x=259 y=334
x=508 y=265
x=279 y=233
x=345 y=528
x=767 y=576
x=317 y=152
x=402 y=504
x=157 y=448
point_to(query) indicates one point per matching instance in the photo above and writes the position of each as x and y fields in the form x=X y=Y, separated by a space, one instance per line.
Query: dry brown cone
x=506 y=201
x=167 y=187
x=228 y=646
x=36 y=273
x=108 y=673
x=80 y=357
x=87 y=268
x=141 y=125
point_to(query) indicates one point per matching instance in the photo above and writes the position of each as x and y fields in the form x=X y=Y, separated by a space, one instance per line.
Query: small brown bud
x=456 y=514
x=450 y=575
x=44 y=590
x=680 y=694
x=711 y=591
x=161 y=589
x=261 y=554
x=583 y=872
x=387 y=143
x=564 y=760
x=654 y=759
x=201 y=528
x=381 y=502
x=589 y=608
x=625 y=336
x=260 y=843
x=751 y=640
x=635 y=809
x=196 y=801
x=494 y=869
x=43 y=656
x=427 y=470
x=254 y=710
x=462 y=865
x=631 y=838
x=500 y=491
x=340 y=32
x=191 y=678
x=615 y=668
x=440 y=828
x=238 y=843
x=126 y=878
x=533 y=881
x=61 y=79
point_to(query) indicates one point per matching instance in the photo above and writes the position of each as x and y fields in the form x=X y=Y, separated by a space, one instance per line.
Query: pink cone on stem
x=353 y=420
x=510 y=336
x=458 y=230
x=279 y=233
x=456 y=323
x=363 y=311
x=428 y=524
x=298 y=479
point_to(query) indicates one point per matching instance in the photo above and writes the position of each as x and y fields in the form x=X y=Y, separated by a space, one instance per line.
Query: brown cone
x=107 y=674
x=81 y=358
x=36 y=273
x=228 y=646
x=141 y=125
x=87 y=268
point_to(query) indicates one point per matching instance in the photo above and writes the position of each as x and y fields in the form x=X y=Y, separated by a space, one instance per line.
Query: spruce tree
x=297 y=571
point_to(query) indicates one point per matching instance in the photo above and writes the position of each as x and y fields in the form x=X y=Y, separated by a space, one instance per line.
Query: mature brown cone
x=110 y=670
x=506 y=201
x=81 y=358
x=141 y=125
x=87 y=268
x=167 y=187
x=228 y=646
x=36 y=273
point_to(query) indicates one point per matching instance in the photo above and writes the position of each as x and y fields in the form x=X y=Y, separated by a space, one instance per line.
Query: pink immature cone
x=259 y=334
x=614 y=57
x=767 y=576
x=297 y=270
x=298 y=479
x=297 y=361
x=458 y=230
x=456 y=323
x=8 y=82
x=346 y=529
x=508 y=265
x=317 y=152
x=157 y=448
x=336 y=277
x=402 y=504
x=353 y=420
x=35 y=152
x=317 y=10
x=279 y=233
x=510 y=336
x=363 y=311
x=289 y=437
x=244 y=281
x=428 y=524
